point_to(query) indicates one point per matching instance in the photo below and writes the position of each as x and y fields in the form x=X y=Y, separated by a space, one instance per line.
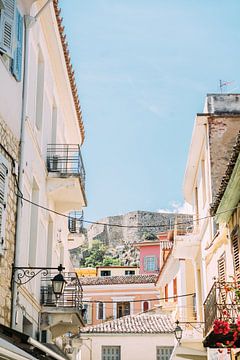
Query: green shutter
x=7 y=19
x=17 y=55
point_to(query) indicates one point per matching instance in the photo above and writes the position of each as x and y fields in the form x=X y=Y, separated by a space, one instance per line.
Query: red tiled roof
x=69 y=68
x=135 y=324
x=111 y=280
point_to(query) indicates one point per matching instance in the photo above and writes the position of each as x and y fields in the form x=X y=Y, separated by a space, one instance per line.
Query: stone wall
x=9 y=150
x=116 y=236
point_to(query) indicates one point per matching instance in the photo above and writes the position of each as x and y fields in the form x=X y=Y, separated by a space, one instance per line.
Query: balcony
x=66 y=176
x=186 y=239
x=222 y=303
x=75 y=222
x=65 y=313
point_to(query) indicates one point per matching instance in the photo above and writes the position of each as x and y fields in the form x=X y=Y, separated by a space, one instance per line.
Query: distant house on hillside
x=111 y=297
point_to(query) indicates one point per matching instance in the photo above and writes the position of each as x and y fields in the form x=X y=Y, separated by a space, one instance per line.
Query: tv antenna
x=223 y=83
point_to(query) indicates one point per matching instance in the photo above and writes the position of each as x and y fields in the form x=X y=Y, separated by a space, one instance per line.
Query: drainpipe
x=29 y=21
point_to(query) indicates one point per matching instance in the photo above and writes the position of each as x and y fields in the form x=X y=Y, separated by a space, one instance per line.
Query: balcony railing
x=223 y=303
x=71 y=297
x=75 y=222
x=65 y=160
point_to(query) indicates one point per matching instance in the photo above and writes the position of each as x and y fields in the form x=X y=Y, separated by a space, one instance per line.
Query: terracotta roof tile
x=110 y=280
x=135 y=324
x=69 y=67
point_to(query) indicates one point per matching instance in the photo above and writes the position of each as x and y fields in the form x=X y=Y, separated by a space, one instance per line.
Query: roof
x=112 y=280
x=134 y=324
x=69 y=66
x=227 y=176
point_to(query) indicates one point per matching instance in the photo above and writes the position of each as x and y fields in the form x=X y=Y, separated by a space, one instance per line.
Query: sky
x=143 y=68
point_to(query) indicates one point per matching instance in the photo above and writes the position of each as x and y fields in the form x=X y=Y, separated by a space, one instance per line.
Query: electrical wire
x=135 y=301
x=123 y=226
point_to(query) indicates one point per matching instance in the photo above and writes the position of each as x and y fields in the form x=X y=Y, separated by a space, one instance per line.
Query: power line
x=134 y=301
x=123 y=226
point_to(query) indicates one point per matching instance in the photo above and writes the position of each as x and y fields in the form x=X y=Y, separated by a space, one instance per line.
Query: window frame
x=164 y=356
x=146 y=260
x=116 y=356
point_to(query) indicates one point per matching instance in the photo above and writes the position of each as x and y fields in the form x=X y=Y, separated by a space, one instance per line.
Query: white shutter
x=7 y=21
x=3 y=199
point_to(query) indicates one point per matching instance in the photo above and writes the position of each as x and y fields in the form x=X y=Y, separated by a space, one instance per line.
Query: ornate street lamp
x=178 y=332
x=22 y=275
x=58 y=283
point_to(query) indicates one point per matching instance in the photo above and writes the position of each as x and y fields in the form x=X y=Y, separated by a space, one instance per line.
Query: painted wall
x=134 y=347
x=118 y=293
x=149 y=251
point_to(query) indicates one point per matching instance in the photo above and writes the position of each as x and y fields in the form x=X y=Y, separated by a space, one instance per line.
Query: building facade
x=42 y=176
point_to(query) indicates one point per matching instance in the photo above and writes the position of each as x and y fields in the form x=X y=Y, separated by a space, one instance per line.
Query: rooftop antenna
x=223 y=83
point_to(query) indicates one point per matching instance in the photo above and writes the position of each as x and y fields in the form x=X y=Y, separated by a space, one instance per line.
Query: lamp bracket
x=22 y=275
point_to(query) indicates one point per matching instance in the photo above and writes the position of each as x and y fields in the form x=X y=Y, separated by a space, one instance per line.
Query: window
x=40 y=91
x=123 y=309
x=105 y=273
x=87 y=314
x=3 y=200
x=100 y=311
x=164 y=353
x=149 y=263
x=222 y=268
x=235 y=250
x=145 y=306
x=175 y=289
x=166 y=293
x=111 y=353
x=11 y=37
x=129 y=272
x=7 y=17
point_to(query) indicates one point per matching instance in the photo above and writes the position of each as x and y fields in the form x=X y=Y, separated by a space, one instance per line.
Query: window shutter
x=235 y=252
x=7 y=18
x=222 y=268
x=3 y=197
x=17 y=55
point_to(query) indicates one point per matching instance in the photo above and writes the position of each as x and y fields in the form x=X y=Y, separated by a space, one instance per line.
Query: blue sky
x=143 y=68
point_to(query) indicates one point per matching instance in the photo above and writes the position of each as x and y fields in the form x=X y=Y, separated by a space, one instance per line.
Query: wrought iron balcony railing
x=72 y=294
x=75 y=222
x=223 y=303
x=66 y=160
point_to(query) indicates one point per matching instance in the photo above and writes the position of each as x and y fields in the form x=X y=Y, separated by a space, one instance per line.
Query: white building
x=44 y=115
x=137 y=337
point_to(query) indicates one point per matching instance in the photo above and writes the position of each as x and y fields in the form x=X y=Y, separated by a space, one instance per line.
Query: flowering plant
x=223 y=327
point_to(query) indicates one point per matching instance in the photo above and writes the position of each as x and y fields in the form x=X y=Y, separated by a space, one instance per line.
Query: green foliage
x=96 y=256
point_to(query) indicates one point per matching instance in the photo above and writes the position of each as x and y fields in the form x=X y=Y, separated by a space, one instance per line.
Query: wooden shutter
x=17 y=55
x=222 y=268
x=7 y=20
x=3 y=198
x=235 y=251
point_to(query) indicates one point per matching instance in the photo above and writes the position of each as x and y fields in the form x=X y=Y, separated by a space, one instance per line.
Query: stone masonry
x=115 y=236
x=9 y=150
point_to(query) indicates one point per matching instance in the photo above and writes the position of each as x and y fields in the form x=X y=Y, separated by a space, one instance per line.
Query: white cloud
x=178 y=208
